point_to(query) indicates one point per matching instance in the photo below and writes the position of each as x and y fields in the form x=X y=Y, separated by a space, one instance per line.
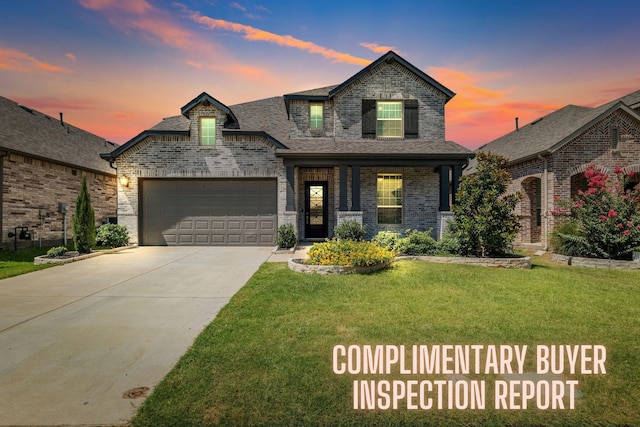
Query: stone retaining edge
x=609 y=264
x=516 y=262
x=46 y=260
x=299 y=266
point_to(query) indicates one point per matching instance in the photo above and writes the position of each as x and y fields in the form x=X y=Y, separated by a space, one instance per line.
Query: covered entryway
x=208 y=212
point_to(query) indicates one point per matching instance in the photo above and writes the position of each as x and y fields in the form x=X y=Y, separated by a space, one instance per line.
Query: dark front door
x=315 y=207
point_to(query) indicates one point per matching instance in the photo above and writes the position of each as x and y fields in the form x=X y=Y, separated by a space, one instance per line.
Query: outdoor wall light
x=124 y=180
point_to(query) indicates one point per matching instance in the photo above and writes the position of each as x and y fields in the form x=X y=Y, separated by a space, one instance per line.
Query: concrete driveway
x=75 y=338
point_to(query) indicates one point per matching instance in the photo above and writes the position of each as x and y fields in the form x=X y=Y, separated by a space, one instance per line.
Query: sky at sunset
x=117 y=67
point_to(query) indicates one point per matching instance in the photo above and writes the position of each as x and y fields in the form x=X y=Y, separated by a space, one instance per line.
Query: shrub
x=57 y=251
x=417 y=243
x=84 y=225
x=604 y=219
x=349 y=253
x=287 y=237
x=350 y=230
x=387 y=239
x=484 y=222
x=113 y=235
x=447 y=245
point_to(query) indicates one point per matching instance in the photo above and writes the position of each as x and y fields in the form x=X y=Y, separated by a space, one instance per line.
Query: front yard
x=267 y=359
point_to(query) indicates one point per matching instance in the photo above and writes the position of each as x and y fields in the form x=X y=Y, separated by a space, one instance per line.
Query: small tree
x=84 y=226
x=484 y=222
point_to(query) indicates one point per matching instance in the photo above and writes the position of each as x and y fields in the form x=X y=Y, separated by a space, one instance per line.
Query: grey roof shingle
x=29 y=132
x=552 y=131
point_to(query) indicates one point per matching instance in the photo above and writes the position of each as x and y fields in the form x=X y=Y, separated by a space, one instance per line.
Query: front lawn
x=267 y=357
x=14 y=263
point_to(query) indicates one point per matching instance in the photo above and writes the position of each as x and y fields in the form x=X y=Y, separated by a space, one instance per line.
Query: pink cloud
x=376 y=48
x=16 y=60
x=71 y=56
x=255 y=34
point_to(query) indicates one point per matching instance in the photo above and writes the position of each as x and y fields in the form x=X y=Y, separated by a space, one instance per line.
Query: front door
x=315 y=207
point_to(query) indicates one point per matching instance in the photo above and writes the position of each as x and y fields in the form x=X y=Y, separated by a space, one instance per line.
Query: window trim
x=400 y=119
x=200 y=131
x=400 y=207
x=316 y=104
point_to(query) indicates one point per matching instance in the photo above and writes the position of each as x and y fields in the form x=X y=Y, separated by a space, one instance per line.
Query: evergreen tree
x=484 y=222
x=84 y=226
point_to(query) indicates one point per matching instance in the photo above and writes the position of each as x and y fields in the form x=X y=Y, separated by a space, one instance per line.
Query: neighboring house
x=42 y=160
x=371 y=149
x=548 y=157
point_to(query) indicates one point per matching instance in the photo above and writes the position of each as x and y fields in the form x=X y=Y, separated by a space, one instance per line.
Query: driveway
x=75 y=338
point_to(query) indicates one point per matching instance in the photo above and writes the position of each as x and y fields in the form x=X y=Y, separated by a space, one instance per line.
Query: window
x=389 y=119
x=389 y=199
x=315 y=116
x=208 y=131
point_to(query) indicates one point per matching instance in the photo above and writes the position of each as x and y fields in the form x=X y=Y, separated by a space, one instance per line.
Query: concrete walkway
x=75 y=338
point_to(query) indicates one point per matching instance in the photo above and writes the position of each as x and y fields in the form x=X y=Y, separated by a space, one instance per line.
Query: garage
x=204 y=212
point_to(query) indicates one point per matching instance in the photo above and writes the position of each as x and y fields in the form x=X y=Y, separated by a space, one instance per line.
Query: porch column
x=457 y=173
x=290 y=181
x=343 y=188
x=444 y=188
x=355 y=188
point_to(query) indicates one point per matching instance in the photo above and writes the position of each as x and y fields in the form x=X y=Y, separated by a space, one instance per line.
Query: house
x=370 y=149
x=42 y=160
x=548 y=157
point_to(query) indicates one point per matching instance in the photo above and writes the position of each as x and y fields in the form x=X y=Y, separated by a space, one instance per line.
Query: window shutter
x=411 y=118
x=369 y=118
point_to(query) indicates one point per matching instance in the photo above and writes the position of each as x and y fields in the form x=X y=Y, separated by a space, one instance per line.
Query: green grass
x=14 y=263
x=267 y=357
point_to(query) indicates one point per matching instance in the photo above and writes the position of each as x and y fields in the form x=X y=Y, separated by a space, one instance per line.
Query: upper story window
x=208 y=131
x=390 y=119
x=315 y=116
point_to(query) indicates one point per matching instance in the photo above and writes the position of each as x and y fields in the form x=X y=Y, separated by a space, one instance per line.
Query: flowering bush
x=348 y=253
x=606 y=217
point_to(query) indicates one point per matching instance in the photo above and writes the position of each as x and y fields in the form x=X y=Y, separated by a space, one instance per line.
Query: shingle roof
x=29 y=132
x=552 y=131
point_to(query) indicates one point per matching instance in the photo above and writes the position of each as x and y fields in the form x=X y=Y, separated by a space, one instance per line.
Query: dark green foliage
x=350 y=230
x=484 y=222
x=113 y=235
x=447 y=245
x=84 y=225
x=286 y=237
x=57 y=251
x=417 y=243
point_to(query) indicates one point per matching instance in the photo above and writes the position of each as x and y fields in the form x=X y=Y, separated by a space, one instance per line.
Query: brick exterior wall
x=389 y=81
x=30 y=185
x=184 y=157
x=594 y=145
x=300 y=121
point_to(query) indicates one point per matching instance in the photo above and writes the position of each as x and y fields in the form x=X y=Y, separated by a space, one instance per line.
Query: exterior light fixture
x=124 y=180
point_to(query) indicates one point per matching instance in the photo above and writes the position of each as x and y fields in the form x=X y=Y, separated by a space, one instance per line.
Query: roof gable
x=205 y=99
x=391 y=56
x=29 y=132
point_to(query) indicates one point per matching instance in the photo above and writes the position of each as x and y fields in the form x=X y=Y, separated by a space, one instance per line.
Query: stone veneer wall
x=30 y=185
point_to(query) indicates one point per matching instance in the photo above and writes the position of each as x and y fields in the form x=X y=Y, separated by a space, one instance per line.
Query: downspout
x=543 y=202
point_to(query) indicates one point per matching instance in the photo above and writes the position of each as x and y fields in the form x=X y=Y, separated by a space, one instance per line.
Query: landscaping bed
x=73 y=256
x=611 y=264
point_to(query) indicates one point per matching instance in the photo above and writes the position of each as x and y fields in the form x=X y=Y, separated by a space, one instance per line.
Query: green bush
x=447 y=245
x=387 y=239
x=349 y=253
x=57 y=251
x=287 y=237
x=350 y=230
x=84 y=225
x=112 y=235
x=417 y=243
x=484 y=222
